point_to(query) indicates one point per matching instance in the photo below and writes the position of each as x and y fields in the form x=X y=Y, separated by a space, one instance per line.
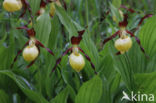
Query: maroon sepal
x=76 y=40
x=31 y=32
x=38 y=43
x=43 y=4
x=59 y=60
x=138 y=41
x=124 y=23
x=110 y=38
x=88 y=58
x=128 y=9
x=81 y=32
x=18 y=53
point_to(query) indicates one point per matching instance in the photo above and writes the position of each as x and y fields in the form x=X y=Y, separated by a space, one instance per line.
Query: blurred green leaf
x=8 y=52
x=3 y=39
x=116 y=3
x=115 y=13
x=25 y=87
x=145 y=83
x=43 y=28
x=4 y=98
x=106 y=66
x=35 y=5
x=55 y=28
x=90 y=92
x=66 y=21
x=147 y=36
x=61 y=97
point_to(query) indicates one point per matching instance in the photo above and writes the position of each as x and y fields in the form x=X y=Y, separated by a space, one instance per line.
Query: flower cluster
x=31 y=49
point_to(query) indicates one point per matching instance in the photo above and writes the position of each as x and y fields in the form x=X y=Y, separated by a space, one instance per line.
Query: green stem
x=81 y=77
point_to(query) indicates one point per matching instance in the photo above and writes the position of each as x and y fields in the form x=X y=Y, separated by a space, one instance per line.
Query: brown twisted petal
x=88 y=58
x=38 y=43
x=26 y=6
x=111 y=37
x=64 y=4
x=18 y=53
x=138 y=41
x=59 y=59
x=128 y=9
x=141 y=21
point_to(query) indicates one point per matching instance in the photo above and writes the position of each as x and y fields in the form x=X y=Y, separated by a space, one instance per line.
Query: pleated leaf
x=61 y=97
x=147 y=36
x=25 y=87
x=145 y=83
x=43 y=28
x=4 y=98
x=66 y=20
x=90 y=92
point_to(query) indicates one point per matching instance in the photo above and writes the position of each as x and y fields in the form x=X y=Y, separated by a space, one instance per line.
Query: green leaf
x=4 y=98
x=66 y=21
x=61 y=97
x=25 y=87
x=106 y=66
x=145 y=83
x=115 y=13
x=35 y=5
x=90 y=92
x=123 y=66
x=115 y=83
x=43 y=28
x=116 y=3
x=3 y=39
x=8 y=52
x=54 y=32
x=147 y=36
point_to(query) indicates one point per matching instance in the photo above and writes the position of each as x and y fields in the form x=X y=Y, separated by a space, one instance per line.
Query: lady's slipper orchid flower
x=76 y=60
x=124 y=43
x=12 y=5
x=31 y=49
